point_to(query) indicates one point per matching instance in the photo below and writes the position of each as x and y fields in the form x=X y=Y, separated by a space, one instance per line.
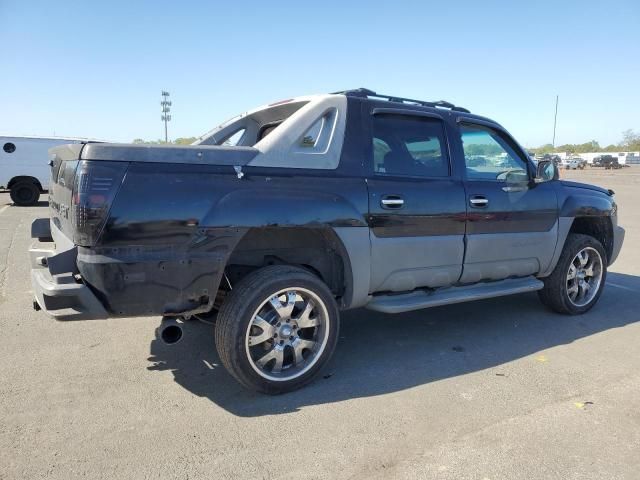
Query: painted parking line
x=3 y=209
x=622 y=287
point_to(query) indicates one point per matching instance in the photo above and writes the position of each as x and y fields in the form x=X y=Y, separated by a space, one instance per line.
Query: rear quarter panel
x=172 y=228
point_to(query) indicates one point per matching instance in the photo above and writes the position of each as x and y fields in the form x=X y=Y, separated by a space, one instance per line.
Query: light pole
x=165 y=117
x=555 y=118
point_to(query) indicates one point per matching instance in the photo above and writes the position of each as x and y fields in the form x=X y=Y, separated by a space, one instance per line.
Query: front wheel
x=277 y=328
x=576 y=283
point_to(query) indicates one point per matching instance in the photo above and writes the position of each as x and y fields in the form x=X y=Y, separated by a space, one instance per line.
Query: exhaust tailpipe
x=170 y=330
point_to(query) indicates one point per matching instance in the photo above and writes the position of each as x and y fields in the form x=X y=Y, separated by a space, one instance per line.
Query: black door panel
x=417 y=225
x=430 y=207
x=531 y=210
x=512 y=223
x=422 y=243
x=416 y=208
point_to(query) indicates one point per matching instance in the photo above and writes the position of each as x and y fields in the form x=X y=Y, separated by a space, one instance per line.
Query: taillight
x=95 y=186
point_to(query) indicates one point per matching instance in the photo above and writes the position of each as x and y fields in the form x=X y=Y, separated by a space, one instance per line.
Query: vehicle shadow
x=39 y=203
x=379 y=354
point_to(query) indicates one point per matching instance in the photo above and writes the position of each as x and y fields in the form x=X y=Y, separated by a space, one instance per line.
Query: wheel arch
x=320 y=250
x=600 y=228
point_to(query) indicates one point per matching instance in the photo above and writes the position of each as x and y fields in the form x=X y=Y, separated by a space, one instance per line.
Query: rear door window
x=409 y=145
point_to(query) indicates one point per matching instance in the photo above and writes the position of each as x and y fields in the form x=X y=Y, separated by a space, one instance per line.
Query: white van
x=24 y=165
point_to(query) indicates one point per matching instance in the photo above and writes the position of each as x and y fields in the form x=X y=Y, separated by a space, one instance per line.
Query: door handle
x=392 y=202
x=478 y=201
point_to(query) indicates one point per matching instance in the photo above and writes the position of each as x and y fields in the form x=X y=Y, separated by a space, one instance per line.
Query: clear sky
x=96 y=69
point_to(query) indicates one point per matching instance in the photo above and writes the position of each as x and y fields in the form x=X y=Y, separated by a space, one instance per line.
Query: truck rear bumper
x=56 y=285
x=65 y=301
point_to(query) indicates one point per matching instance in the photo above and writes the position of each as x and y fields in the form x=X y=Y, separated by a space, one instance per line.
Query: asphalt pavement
x=496 y=389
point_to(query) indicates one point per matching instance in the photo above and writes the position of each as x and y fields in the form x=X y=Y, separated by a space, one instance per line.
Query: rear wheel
x=25 y=193
x=576 y=283
x=277 y=328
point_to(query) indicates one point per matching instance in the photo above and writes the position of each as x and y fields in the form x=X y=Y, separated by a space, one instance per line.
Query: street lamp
x=555 y=119
x=165 y=117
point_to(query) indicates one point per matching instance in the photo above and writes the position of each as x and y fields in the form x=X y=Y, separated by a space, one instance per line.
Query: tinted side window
x=488 y=156
x=409 y=145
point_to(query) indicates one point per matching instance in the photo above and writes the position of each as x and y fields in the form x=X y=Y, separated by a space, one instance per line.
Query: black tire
x=237 y=313
x=25 y=193
x=554 y=294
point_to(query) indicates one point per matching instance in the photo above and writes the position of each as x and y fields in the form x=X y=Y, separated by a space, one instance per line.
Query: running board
x=416 y=300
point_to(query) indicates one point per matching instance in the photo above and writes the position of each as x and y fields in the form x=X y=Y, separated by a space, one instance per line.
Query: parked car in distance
x=24 y=165
x=322 y=203
x=610 y=162
x=575 y=163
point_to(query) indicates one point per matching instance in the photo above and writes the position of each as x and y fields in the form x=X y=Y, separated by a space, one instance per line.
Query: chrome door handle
x=478 y=201
x=392 y=201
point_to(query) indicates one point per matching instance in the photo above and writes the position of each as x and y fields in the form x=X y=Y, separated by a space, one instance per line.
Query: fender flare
x=585 y=205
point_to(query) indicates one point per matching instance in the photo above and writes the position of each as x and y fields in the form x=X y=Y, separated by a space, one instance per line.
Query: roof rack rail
x=366 y=93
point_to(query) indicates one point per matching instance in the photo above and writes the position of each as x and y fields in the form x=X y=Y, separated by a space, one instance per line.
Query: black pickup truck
x=609 y=162
x=283 y=216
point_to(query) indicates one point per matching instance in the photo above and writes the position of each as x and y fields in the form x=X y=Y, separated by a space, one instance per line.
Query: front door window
x=488 y=156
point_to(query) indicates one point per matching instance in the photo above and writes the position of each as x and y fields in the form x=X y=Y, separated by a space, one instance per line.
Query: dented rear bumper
x=58 y=289
x=81 y=283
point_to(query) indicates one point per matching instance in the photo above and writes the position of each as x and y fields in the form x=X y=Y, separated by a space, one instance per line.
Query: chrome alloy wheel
x=287 y=334
x=584 y=276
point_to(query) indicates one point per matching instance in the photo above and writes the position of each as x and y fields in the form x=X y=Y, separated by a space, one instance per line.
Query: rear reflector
x=95 y=186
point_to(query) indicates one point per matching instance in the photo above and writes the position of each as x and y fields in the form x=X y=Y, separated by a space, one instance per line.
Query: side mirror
x=546 y=171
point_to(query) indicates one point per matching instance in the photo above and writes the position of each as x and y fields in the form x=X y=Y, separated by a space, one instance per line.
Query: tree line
x=630 y=143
